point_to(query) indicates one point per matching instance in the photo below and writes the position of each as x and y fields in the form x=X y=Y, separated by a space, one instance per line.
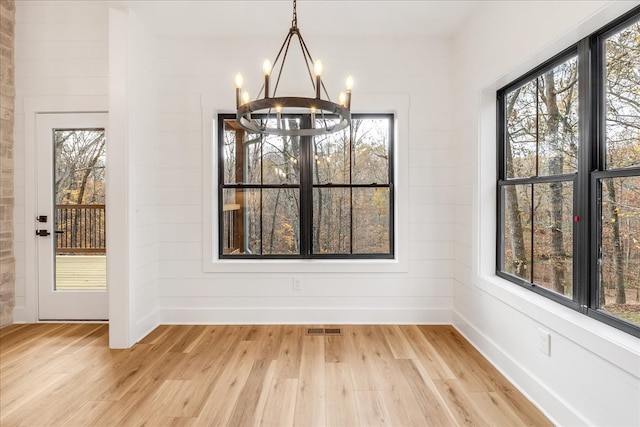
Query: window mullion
x=581 y=199
x=351 y=142
x=598 y=162
x=501 y=131
x=261 y=193
x=533 y=222
x=306 y=191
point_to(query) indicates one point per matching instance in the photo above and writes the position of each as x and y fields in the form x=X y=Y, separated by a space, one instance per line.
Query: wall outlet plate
x=544 y=342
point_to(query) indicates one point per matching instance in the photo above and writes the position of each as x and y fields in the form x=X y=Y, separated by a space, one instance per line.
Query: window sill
x=609 y=343
x=305 y=266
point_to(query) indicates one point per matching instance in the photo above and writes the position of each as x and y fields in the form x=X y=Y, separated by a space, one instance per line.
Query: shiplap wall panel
x=60 y=52
x=192 y=69
x=143 y=128
x=232 y=285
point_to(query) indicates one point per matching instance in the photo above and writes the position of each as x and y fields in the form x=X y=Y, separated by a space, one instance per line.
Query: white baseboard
x=146 y=325
x=21 y=315
x=325 y=316
x=550 y=403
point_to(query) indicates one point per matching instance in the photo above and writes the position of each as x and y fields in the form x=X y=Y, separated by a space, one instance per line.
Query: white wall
x=144 y=149
x=132 y=186
x=592 y=376
x=163 y=206
x=61 y=66
x=71 y=57
x=411 y=75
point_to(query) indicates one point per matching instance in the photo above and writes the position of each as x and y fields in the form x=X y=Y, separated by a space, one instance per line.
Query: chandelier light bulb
x=349 y=83
x=342 y=99
x=239 y=82
x=312 y=110
x=317 y=68
x=266 y=67
x=245 y=97
x=279 y=116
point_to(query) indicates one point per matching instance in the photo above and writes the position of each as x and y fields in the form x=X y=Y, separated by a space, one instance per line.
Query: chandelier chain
x=294 y=22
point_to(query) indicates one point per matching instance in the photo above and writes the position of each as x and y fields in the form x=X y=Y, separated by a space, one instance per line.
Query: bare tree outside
x=620 y=233
x=345 y=219
x=79 y=184
x=542 y=140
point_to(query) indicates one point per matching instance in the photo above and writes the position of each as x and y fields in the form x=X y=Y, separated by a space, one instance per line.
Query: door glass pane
x=619 y=287
x=79 y=186
x=622 y=88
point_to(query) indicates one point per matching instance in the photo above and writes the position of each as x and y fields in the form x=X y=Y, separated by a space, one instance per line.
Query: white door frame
x=26 y=310
x=52 y=304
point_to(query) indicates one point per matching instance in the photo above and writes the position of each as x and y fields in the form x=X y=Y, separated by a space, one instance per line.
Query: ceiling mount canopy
x=326 y=116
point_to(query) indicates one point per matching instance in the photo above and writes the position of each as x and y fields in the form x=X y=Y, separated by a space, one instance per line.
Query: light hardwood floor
x=64 y=374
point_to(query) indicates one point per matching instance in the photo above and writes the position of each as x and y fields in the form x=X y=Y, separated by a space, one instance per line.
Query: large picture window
x=569 y=177
x=327 y=196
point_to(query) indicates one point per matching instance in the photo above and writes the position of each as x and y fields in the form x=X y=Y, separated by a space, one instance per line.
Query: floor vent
x=323 y=331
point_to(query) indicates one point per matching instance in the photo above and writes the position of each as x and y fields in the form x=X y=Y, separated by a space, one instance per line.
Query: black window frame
x=587 y=223
x=306 y=188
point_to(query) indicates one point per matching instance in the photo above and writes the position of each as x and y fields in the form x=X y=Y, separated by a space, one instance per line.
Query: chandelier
x=326 y=116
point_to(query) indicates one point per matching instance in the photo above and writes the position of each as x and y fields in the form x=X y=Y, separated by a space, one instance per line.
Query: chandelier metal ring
x=321 y=108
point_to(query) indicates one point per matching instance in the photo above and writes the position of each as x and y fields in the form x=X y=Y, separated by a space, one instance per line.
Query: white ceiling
x=218 y=18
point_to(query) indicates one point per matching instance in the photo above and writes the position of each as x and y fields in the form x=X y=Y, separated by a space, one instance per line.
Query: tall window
x=569 y=177
x=327 y=196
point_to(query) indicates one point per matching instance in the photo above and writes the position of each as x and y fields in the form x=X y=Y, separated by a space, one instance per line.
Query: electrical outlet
x=544 y=342
x=297 y=285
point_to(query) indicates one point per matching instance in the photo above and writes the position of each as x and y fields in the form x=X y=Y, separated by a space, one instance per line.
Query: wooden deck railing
x=80 y=229
x=231 y=215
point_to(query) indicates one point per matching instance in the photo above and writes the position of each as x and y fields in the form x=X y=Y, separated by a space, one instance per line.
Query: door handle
x=42 y=233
